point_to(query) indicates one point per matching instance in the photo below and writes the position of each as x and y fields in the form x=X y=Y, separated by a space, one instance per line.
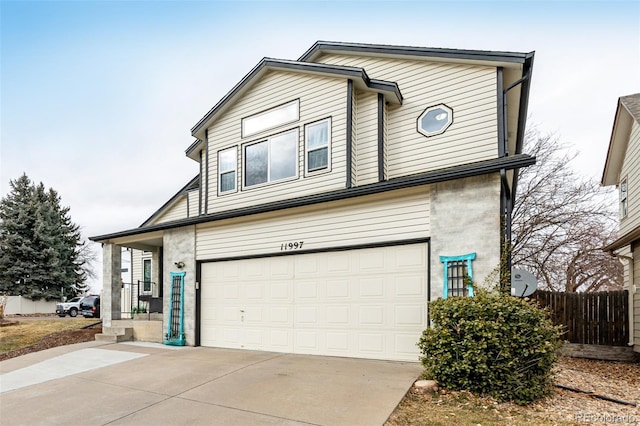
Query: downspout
x=507 y=195
x=349 y=133
x=632 y=290
x=200 y=186
x=206 y=182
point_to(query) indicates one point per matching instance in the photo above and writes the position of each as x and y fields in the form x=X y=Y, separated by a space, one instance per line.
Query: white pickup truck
x=71 y=307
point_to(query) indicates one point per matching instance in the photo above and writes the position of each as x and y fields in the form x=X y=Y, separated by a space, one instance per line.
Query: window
x=317 y=139
x=456 y=270
x=146 y=274
x=623 y=198
x=227 y=165
x=435 y=120
x=271 y=118
x=271 y=160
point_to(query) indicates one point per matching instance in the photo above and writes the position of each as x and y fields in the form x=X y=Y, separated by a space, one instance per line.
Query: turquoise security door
x=175 y=329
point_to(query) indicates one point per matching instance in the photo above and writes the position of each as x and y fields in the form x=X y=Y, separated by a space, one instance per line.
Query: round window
x=435 y=120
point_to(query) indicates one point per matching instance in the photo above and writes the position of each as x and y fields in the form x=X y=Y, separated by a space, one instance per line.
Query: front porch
x=149 y=306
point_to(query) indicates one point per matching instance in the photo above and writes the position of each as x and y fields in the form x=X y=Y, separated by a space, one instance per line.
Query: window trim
x=624 y=201
x=235 y=170
x=243 y=121
x=438 y=132
x=267 y=139
x=146 y=282
x=326 y=169
x=446 y=259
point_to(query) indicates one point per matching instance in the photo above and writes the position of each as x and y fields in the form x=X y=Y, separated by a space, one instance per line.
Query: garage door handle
x=241 y=310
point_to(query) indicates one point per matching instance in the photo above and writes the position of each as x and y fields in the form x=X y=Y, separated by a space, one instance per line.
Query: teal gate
x=175 y=329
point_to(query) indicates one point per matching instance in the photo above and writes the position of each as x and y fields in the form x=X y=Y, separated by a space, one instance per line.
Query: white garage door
x=366 y=303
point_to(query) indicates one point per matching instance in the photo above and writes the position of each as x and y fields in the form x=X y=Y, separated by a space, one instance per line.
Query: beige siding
x=320 y=98
x=469 y=90
x=176 y=211
x=136 y=264
x=193 y=202
x=631 y=170
x=366 y=138
x=394 y=216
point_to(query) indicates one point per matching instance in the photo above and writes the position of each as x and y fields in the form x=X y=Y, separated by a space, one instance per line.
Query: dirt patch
x=60 y=338
x=616 y=380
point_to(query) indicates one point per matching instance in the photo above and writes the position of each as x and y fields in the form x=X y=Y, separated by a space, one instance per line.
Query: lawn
x=27 y=333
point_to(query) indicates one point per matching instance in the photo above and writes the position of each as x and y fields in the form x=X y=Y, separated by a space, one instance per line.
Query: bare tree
x=561 y=222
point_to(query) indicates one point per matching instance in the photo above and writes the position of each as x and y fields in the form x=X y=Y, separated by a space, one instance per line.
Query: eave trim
x=625 y=240
x=380 y=49
x=442 y=175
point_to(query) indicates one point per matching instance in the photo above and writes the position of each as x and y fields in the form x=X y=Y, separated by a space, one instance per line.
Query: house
x=337 y=195
x=622 y=169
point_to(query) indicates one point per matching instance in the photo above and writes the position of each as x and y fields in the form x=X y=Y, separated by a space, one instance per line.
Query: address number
x=297 y=245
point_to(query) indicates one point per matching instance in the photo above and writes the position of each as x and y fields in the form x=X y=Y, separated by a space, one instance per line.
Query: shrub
x=492 y=344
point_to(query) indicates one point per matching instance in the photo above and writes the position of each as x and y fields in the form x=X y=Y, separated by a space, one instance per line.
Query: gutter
x=442 y=175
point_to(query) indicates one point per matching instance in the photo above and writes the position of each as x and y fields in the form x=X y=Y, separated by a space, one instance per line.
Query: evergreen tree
x=40 y=246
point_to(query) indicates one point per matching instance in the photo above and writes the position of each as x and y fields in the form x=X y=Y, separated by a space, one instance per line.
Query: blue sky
x=97 y=99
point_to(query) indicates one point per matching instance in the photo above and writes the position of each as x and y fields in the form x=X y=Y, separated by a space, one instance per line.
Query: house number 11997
x=297 y=245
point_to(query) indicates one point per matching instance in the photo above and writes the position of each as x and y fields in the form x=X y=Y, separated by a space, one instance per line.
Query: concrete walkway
x=92 y=383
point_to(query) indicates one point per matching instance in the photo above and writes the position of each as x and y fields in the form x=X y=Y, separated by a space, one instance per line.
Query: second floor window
x=271 y=160
x=317 y=137
x=227 y=164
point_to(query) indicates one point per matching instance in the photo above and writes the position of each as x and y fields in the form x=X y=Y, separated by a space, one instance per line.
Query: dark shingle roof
x=632 y=104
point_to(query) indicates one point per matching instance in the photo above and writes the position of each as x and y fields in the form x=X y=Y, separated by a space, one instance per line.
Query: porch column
x=111 y=285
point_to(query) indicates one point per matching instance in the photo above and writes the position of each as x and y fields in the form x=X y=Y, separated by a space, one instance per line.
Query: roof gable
x=388 y=89
x=627 y=111
x=193 y=184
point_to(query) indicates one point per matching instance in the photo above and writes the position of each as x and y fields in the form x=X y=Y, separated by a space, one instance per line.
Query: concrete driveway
x=144 y=384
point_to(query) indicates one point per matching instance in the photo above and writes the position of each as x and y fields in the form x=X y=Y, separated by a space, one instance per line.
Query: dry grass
x=619 y=380
x=460 y=409
x=27 y=333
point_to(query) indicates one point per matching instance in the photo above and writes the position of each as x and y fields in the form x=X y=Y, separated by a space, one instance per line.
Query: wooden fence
x=600 y=318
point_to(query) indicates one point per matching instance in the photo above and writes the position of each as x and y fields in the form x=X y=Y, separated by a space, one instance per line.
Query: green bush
x=492 y=344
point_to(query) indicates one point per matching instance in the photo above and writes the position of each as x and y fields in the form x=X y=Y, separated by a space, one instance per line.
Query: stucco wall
x=465 y=219
x=179 y=246
x=23 y=306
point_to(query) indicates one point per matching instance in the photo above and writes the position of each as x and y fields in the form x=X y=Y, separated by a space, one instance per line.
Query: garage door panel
x=307 y=291
x=280 y=291
x=308 y=266
x=338 y=264
x=410 y=286
x=405 y=346
x=370 y=261
x=337 y=289
x=368 y=303
x=371 y=344
x=338 y=316
x=371 y=287
x=409 y=315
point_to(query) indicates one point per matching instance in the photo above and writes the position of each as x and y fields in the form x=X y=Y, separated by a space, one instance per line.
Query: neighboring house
x=622 y=169
x=337 y=195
